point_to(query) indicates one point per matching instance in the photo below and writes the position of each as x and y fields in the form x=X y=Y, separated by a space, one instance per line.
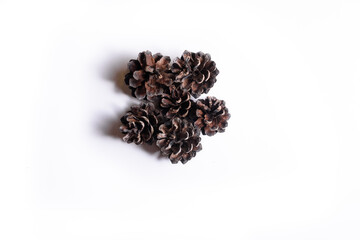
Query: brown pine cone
x=140 y=124
x=179 y=140
x=195 y=72
x=175 y=103
x=212 y=115
x=149 y=75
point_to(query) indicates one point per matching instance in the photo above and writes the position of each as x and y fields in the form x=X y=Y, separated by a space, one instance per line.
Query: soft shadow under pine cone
x=116 y=73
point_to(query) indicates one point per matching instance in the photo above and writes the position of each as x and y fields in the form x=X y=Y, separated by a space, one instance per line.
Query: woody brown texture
x=175 y=103
x=179 y=140
x=149 y=75
x=140 y=124
x=168 y=114
x=212 y=115
x=195 y=72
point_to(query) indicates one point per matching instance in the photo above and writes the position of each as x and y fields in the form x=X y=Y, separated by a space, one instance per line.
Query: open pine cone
x=179 y=140
x=140 y=124
x=212 y=115
x=175 y=103
x=149 y=75
x=195 y=72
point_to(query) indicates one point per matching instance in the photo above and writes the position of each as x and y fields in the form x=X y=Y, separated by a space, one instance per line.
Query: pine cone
x=179 y=140
x=175 y=103
x=140 y=124
x=212 y=115
x=195 y=72
x=149 y=75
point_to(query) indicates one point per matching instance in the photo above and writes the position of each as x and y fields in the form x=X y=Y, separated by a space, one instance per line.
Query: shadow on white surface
x=115 y=71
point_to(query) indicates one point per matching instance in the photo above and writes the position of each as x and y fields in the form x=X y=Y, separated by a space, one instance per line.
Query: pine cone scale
x=133 y=82
x=146 y=59
x=139 y=75
x=140 y=92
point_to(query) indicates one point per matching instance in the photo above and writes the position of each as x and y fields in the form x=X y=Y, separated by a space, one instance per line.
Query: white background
x=286 y=168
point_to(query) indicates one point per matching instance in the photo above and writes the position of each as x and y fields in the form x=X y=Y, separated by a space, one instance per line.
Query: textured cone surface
x=149 y=75
x=195 y=72
x=212 y=115
x=175 y=103
x=139 y=125
x=179 y=140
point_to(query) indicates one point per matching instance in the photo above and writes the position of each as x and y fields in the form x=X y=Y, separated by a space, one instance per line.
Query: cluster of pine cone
x=169 y=113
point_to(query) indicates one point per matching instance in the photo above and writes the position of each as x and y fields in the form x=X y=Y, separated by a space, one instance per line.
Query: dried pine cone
x=140 y=124
x=179 y=140
x=195 y=72
x=212 y=115
x=149 y=75
x=175 y=103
